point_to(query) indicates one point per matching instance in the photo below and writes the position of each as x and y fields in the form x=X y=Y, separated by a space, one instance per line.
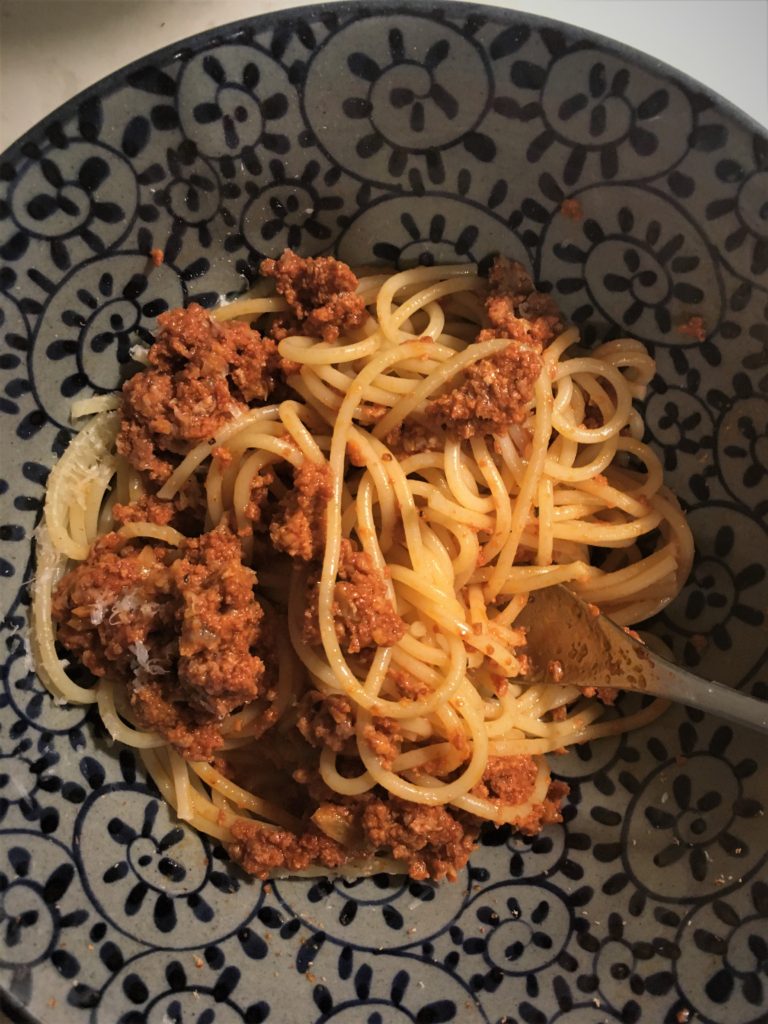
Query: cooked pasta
x=294 y=554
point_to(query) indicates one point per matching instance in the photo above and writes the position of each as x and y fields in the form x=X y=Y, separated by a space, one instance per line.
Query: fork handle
x=667 y=680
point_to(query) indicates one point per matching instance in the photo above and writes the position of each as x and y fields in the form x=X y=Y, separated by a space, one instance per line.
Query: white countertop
x=51 y=49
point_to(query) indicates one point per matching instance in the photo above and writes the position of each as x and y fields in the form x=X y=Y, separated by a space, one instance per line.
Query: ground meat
x=272 y=625
x=408 y=686
x=179 y=630
x=362 y=611
x=555 y=670
x=158 y=709
x=326 y=720
x=312 y=782
x=694 y=327
x=222 y=455
x=495 y=394
x=146 y=510
x=372 y=412
x=509 y=780
x=415 y=436
x=429 y=842
x=606 y=694
x=145 y=399
x=201 y=374
x=278 y=331
x=191 y=342
x=384 y=738
x=341 y=822
x=432 y=842
x=219 y=620
x=192 y=505
x=117 y=598
x=572 y=209
x=320 y=292
x=262 y=481
x=546 y=813
x=516 y=310
x=298 y=526
x=261 y=851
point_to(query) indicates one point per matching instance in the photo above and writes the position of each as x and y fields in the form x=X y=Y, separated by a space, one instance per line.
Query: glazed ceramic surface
x=399 y=134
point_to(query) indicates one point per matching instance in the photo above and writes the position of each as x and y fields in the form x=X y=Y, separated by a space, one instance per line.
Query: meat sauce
x=497 y=391
x=201 y=375
x=183 y=630
x=320 y=294
x=363 y=614
x=298 y=528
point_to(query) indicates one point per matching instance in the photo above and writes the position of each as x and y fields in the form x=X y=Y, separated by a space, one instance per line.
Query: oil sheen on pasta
x=291 y=556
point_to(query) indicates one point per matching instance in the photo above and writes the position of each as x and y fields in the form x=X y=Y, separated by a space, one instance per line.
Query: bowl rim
x=374 y=8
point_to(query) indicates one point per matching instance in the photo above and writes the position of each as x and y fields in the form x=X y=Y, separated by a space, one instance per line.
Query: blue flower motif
x=625 y=970
x=653 y=270
x=80 y=197
x=411 y=892
x=596 y=100
x=111 y=314
x=289 y=212
x=19 y=781
x=417 y=237
x=235 y=102
x=746 y=212
x=699 y=815
x=608 y=118
x=395 y=112
x=154 y=879
x=722 y=969
x=192 y=194
x=743 y=435
x=148 y=863
x=741 y=944
x=39 y=902
x=717 y=593
x=418 y=91
x=204 y=990
x=516 y=930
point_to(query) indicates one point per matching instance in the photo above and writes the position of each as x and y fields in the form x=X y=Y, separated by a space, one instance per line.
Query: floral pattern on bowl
x=399 y=134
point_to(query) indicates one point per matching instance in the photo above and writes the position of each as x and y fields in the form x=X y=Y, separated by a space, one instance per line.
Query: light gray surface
x=51 y=49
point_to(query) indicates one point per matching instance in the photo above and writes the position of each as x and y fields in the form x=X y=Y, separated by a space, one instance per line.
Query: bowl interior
x=401 y=135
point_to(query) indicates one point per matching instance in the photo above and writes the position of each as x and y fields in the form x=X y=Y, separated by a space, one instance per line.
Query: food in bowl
x=293 y=551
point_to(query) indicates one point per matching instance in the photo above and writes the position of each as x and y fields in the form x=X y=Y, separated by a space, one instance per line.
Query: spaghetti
x=294 y=553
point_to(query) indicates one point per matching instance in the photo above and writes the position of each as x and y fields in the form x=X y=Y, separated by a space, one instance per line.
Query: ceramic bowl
x=400 y=133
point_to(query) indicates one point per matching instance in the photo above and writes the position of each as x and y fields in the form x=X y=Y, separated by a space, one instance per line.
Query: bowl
x=380 y=134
